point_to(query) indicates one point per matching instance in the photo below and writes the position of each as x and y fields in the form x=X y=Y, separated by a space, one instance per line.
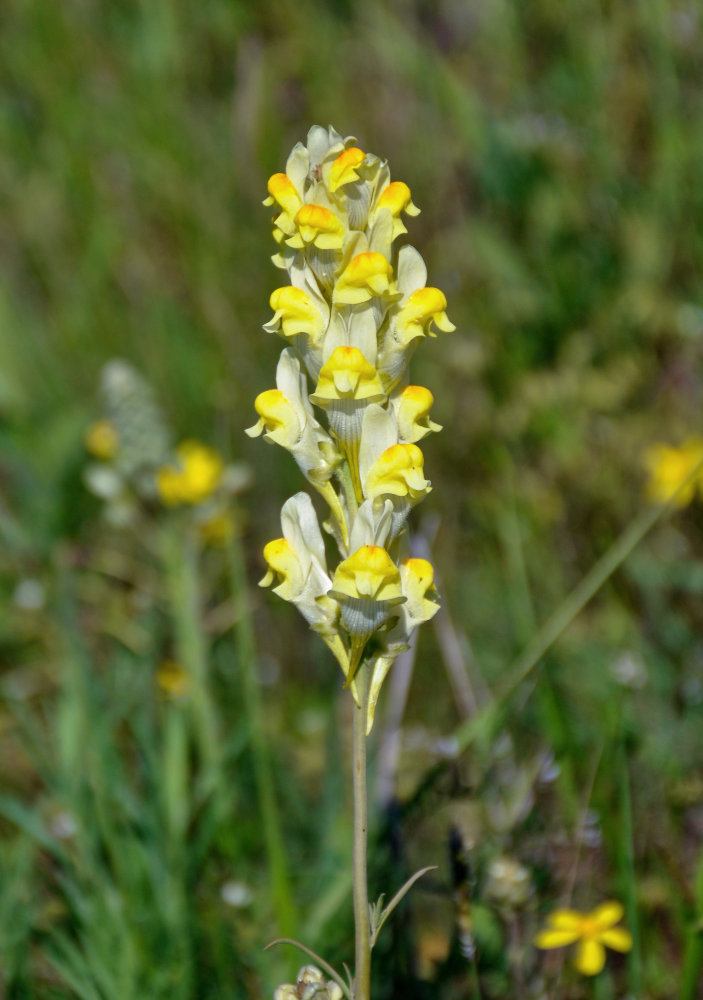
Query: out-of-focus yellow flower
x=173 y=679
x=101 y=440
x=669 y=466
x=594 y=932
x=195 y=477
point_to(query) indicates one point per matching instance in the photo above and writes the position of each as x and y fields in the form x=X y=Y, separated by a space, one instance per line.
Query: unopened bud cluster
x=352 y=313
x=310 y=985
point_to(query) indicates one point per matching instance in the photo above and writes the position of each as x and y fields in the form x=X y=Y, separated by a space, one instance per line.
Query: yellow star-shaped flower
x=594 y=932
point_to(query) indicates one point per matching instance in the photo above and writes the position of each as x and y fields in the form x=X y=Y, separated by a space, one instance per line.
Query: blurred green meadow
x=174 y=742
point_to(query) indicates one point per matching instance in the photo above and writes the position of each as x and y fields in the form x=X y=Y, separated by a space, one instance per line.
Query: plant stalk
x=362 y=949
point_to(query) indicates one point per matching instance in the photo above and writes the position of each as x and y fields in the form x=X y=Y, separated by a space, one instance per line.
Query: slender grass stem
x=263 y=768
x=627 y=865
x=362 y=951
x=179 y=555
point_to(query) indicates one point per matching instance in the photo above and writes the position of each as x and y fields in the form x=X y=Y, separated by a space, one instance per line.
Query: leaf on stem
x=379 y=915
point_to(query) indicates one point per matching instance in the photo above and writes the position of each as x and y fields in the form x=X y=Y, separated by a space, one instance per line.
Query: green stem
x=263 y=769
x=362 y=952
x=627 y=864
x=180 y=560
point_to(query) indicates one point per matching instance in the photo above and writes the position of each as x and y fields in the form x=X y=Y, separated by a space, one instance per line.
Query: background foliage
x=556 y=150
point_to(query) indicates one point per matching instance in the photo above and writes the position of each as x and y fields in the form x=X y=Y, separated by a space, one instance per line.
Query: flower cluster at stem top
x=352 y=313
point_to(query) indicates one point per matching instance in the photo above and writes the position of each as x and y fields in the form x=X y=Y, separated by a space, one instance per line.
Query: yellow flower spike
x=195 y=477
x=102 y=440
x=343 y=169
x=593 y=931
x=397 y=198
x=425 y=307
x=669 y=466
x=365 y=275
x=294 y=313
x=282 y=192
x=347 y=375
x=413 y=414
x=397 y=472
x=284 y=566
x=318 y=226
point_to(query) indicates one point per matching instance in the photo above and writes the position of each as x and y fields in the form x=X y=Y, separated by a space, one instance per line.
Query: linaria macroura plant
x=352 y=313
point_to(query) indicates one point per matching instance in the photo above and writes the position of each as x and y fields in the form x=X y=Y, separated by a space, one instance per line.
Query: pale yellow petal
x=607 y=914
x=556 y=939
x=617 y=938
x=566 y=920
x=590 y=957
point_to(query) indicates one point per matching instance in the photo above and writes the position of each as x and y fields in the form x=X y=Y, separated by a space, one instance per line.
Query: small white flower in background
x=236 y=894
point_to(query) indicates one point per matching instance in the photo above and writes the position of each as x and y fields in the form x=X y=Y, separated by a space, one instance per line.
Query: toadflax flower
x=352 y=311
x=593 y=932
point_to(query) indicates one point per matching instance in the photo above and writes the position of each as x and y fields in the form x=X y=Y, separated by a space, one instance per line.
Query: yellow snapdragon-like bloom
x=369 y=572
x=365 y=275
x=668 y=468
x=424 y=309
x=413 y=414
x=318 y=226
x=284 y=566
x=193 y=479
x=278 y=418
x=282 y=191
x=398 y=472
x=417 y=580
x=102 y=440
x=347 y=375
x=344 y=168
x=294 y=313
x=593 y=931
x=396 y=198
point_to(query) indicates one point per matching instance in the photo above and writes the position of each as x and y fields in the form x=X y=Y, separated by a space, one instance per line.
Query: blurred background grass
x=556 y=151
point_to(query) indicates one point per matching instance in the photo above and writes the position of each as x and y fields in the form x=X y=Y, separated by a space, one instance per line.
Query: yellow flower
x=317 y=225
x=398 y=472
x=668 y=467
x=343 y=170
x=173 y=679
x=365 y=275
x=294 y=313
x=397 y=198
x=425 y=307
x=101 y=440
x=347 y=375
x=593 y=931
x=413 y=414
x=195 y=476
